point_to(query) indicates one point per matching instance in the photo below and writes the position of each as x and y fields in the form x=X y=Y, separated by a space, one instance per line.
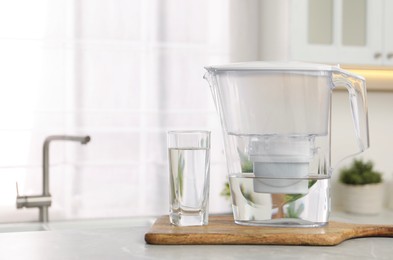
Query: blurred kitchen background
x=127 y=71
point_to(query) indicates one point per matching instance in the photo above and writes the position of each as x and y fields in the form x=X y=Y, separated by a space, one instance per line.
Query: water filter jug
x=277 y=134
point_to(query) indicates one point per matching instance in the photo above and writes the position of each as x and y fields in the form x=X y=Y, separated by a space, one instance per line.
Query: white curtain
x=123 y=72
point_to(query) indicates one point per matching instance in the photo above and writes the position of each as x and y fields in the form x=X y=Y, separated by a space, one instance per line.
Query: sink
x=78 y=224
x=21 y=227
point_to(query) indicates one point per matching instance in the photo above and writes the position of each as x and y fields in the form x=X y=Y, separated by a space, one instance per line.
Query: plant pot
x=363 y=199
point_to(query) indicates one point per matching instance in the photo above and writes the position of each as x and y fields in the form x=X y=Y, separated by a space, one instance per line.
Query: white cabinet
x=388 y=33
x=358 y=32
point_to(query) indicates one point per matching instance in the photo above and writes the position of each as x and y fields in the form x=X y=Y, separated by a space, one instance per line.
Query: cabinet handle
x=389 y=55
x=377 y=55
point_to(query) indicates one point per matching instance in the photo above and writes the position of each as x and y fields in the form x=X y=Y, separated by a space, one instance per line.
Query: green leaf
x=246 y=164
x=180 y=170
x=226 y=192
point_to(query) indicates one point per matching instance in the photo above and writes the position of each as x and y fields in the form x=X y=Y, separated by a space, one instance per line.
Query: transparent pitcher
x=276 y=123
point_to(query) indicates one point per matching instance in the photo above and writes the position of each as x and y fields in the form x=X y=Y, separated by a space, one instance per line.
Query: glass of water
x=189 y=168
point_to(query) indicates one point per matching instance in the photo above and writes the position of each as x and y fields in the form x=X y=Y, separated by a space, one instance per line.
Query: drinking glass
x=189 y=169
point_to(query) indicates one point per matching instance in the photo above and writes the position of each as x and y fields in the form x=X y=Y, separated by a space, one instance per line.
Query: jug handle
x=356 y=86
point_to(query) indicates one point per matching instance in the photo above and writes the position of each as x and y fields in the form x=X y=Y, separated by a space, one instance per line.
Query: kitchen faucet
x=44 y=201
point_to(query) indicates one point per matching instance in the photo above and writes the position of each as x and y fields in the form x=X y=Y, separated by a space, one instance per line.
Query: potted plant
x=363 y=188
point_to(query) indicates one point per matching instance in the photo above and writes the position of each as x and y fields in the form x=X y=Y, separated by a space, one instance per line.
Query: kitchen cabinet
x=388 y=32
x=355 y=32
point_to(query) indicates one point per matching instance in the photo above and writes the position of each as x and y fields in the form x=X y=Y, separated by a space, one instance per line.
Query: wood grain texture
x=223 y=231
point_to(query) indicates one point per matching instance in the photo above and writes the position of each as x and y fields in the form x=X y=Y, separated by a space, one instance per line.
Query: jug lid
x=279 y=66
x=264 y=65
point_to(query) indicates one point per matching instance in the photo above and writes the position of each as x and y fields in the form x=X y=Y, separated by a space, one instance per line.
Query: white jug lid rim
x=274 y=65
x=279 y=66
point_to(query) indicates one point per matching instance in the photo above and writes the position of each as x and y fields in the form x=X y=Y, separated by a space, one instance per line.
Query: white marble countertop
x=124 y=239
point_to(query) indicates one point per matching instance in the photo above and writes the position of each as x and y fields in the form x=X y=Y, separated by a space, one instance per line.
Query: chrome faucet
x=44 y=201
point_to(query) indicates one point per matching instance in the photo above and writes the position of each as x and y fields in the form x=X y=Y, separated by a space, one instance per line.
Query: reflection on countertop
x=84 y=224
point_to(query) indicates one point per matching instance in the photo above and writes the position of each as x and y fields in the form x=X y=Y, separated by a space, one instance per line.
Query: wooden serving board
x=222 y=230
